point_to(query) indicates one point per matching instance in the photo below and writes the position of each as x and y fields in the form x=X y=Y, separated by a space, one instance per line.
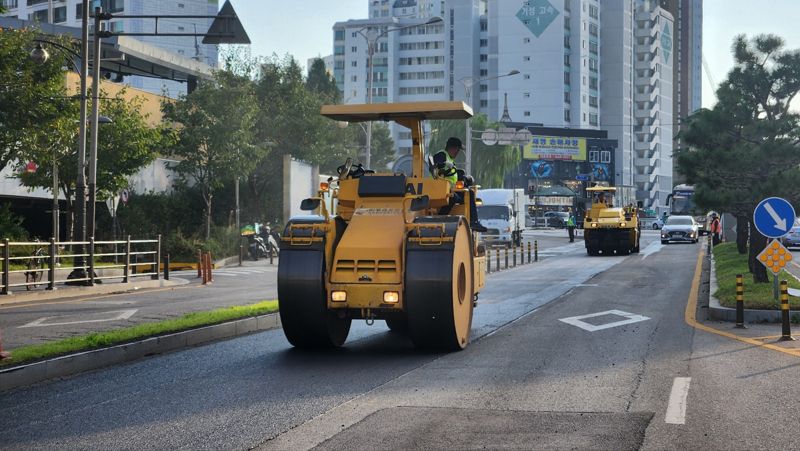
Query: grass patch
x=729 y=263
x=97 y=340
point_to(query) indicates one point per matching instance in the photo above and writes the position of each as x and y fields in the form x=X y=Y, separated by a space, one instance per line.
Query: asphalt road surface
x=575 y=352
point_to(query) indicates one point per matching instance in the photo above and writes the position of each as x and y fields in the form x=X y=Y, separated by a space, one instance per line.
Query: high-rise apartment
x=68 y=13
x=583 y=64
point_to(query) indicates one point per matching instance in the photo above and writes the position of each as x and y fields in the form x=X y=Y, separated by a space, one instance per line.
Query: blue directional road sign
x=582 y=177
x=774 y=217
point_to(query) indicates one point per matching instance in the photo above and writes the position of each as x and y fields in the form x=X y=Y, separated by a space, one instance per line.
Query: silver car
x=792 y=239
x=680 y=229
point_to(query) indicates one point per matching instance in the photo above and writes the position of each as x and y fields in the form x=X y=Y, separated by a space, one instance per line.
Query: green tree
x=490 y=164
x=322 y=83
x=216 y=134
x=32 y=96
x=746 y=147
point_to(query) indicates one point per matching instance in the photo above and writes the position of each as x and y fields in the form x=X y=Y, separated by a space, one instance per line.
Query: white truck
x=502 y=211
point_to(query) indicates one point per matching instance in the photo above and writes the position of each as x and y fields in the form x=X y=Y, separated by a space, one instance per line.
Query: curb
x=718 y=312
x=68 y=365
x=99 y=289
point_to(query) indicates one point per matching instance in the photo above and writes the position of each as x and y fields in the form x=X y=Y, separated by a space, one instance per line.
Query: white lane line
x=676 y=409
x=630 y=318
x=66 y=320
x=651 y=249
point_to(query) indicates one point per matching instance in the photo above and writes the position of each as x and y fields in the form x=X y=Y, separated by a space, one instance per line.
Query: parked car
x=792 y=239
x=680 y=228
x=556 y=219
x=653 y=223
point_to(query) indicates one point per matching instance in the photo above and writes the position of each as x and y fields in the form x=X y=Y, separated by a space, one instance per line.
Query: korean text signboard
x=555 y=148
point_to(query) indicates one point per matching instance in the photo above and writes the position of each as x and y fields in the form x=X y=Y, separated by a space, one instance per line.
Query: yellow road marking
x=73 y=300
x=691 y=309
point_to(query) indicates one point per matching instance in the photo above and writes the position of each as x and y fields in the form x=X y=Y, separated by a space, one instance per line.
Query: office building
x=68 y=13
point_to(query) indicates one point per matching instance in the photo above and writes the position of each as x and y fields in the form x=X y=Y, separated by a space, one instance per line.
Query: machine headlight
x=339 y=296
x=391 y=297
x=623 y=224
x=594 y=224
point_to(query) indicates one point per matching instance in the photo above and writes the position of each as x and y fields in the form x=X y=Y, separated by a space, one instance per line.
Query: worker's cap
x=454 y=142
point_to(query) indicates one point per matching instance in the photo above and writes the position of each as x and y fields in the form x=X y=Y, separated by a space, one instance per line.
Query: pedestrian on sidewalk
x=571 y=226
x=715 y=229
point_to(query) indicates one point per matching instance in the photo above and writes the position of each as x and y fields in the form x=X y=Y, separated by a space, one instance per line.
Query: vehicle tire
x=302 y=299
x=655 y=226
x=398 y=324
x=439 y=291
x=592 y=252
x=664 y=242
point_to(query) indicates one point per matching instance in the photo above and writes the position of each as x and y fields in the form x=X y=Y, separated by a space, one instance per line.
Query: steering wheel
x=344 y=169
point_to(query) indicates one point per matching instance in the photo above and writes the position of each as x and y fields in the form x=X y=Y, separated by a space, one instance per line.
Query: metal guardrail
x=137 y=258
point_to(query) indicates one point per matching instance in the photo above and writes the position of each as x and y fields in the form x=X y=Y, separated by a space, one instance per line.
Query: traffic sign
x=775 y=256
x=774 y=217
x=582 y=177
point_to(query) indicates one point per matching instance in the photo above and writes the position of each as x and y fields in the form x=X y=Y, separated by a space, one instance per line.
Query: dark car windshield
x=679 y=221
x=493 y=212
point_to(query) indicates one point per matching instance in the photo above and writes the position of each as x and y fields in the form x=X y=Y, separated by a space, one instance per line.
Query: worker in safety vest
x=571 y=226
x=715 y=228
x=445 y=166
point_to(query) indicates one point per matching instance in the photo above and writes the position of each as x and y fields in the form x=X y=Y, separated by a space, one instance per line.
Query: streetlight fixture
x=372 y=34
x=468 y=83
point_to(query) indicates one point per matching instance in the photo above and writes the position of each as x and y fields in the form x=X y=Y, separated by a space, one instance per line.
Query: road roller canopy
x=397 y=111
x=602 y=189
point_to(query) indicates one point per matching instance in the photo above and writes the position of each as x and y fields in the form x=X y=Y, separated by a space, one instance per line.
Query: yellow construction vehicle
x=386 y=252
x=607 y=229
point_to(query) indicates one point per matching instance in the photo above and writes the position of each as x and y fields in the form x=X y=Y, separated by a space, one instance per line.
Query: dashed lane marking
x=676 y=409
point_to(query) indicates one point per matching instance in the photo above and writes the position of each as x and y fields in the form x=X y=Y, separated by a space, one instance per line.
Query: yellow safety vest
x=450 y=175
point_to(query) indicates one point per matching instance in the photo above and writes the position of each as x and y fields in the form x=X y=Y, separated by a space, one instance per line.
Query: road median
x=35 y=363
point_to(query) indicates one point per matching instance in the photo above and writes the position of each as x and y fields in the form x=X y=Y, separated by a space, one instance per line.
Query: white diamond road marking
x=630 y=318
x=116 y=315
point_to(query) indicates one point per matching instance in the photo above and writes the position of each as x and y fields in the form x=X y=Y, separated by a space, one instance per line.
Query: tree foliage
x=490 y=164
x=33 y=99
x=216 y=139
x=746 y=147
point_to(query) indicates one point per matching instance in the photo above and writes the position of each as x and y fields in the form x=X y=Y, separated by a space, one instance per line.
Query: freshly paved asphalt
x=544 y=382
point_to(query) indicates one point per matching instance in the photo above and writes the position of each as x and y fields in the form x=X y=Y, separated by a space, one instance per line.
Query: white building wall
x=616 y=86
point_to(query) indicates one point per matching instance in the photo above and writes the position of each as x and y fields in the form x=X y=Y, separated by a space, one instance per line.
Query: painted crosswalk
x=232 y=272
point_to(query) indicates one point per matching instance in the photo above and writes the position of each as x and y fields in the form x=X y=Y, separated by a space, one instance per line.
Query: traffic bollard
x=529 y=251
x=270 y=256
x=210 y=267
x=505 y=254
x=740 y=302
x=497 y=259
x=166 y=267
x=536 y=250
x=786 y=328
x=202 y=268
x=3 y=354
x=514 y=255
x=200 y=264
x=521 y=254
x=241 y=250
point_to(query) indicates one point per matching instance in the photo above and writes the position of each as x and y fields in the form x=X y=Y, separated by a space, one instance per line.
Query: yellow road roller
x=392 y=246
x=608 y=229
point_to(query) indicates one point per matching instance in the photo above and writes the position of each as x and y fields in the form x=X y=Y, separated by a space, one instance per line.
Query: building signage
x=553 y=200
x=666 y=43
x=555 y=148
x=537 y=15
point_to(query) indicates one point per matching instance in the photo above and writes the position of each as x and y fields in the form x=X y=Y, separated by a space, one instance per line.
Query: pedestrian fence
x=49 y=263
x=511 y=256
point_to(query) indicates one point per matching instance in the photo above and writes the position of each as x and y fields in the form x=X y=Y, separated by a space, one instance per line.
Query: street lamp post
x=372 y=35
x=468 y=83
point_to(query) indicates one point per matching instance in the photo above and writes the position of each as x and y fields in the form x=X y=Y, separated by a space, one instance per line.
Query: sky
x=303 y=28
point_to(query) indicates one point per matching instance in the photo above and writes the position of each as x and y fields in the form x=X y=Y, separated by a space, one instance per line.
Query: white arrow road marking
x=116 y=315
x=676 y=409
x=780 y=223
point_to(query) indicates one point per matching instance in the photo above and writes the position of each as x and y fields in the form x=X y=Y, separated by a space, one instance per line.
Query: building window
x=338 y=35
x=484 y=103
x=594 y=12
x=566 y=97
x=39 y=16
x=593 y=64
x=526 y=40
x=566 y=60
x=354 y=49
x=181 y=5
x=566 y=78
x=593 y=29
x=526 y=113
x=593 y=47
x=354 y=78
x=484 y=88
x=605 y=156
x=526 y=95
x=592 y=119
x=593 y=101
x=593 y=83
x=484 y=42
x=60 y=14
x=354 y=64
x=566 y=42
x=484 y=57
x=526 y=77
x=484 y=72
x=567 y=116
x=484 y=25
x=526 y=58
